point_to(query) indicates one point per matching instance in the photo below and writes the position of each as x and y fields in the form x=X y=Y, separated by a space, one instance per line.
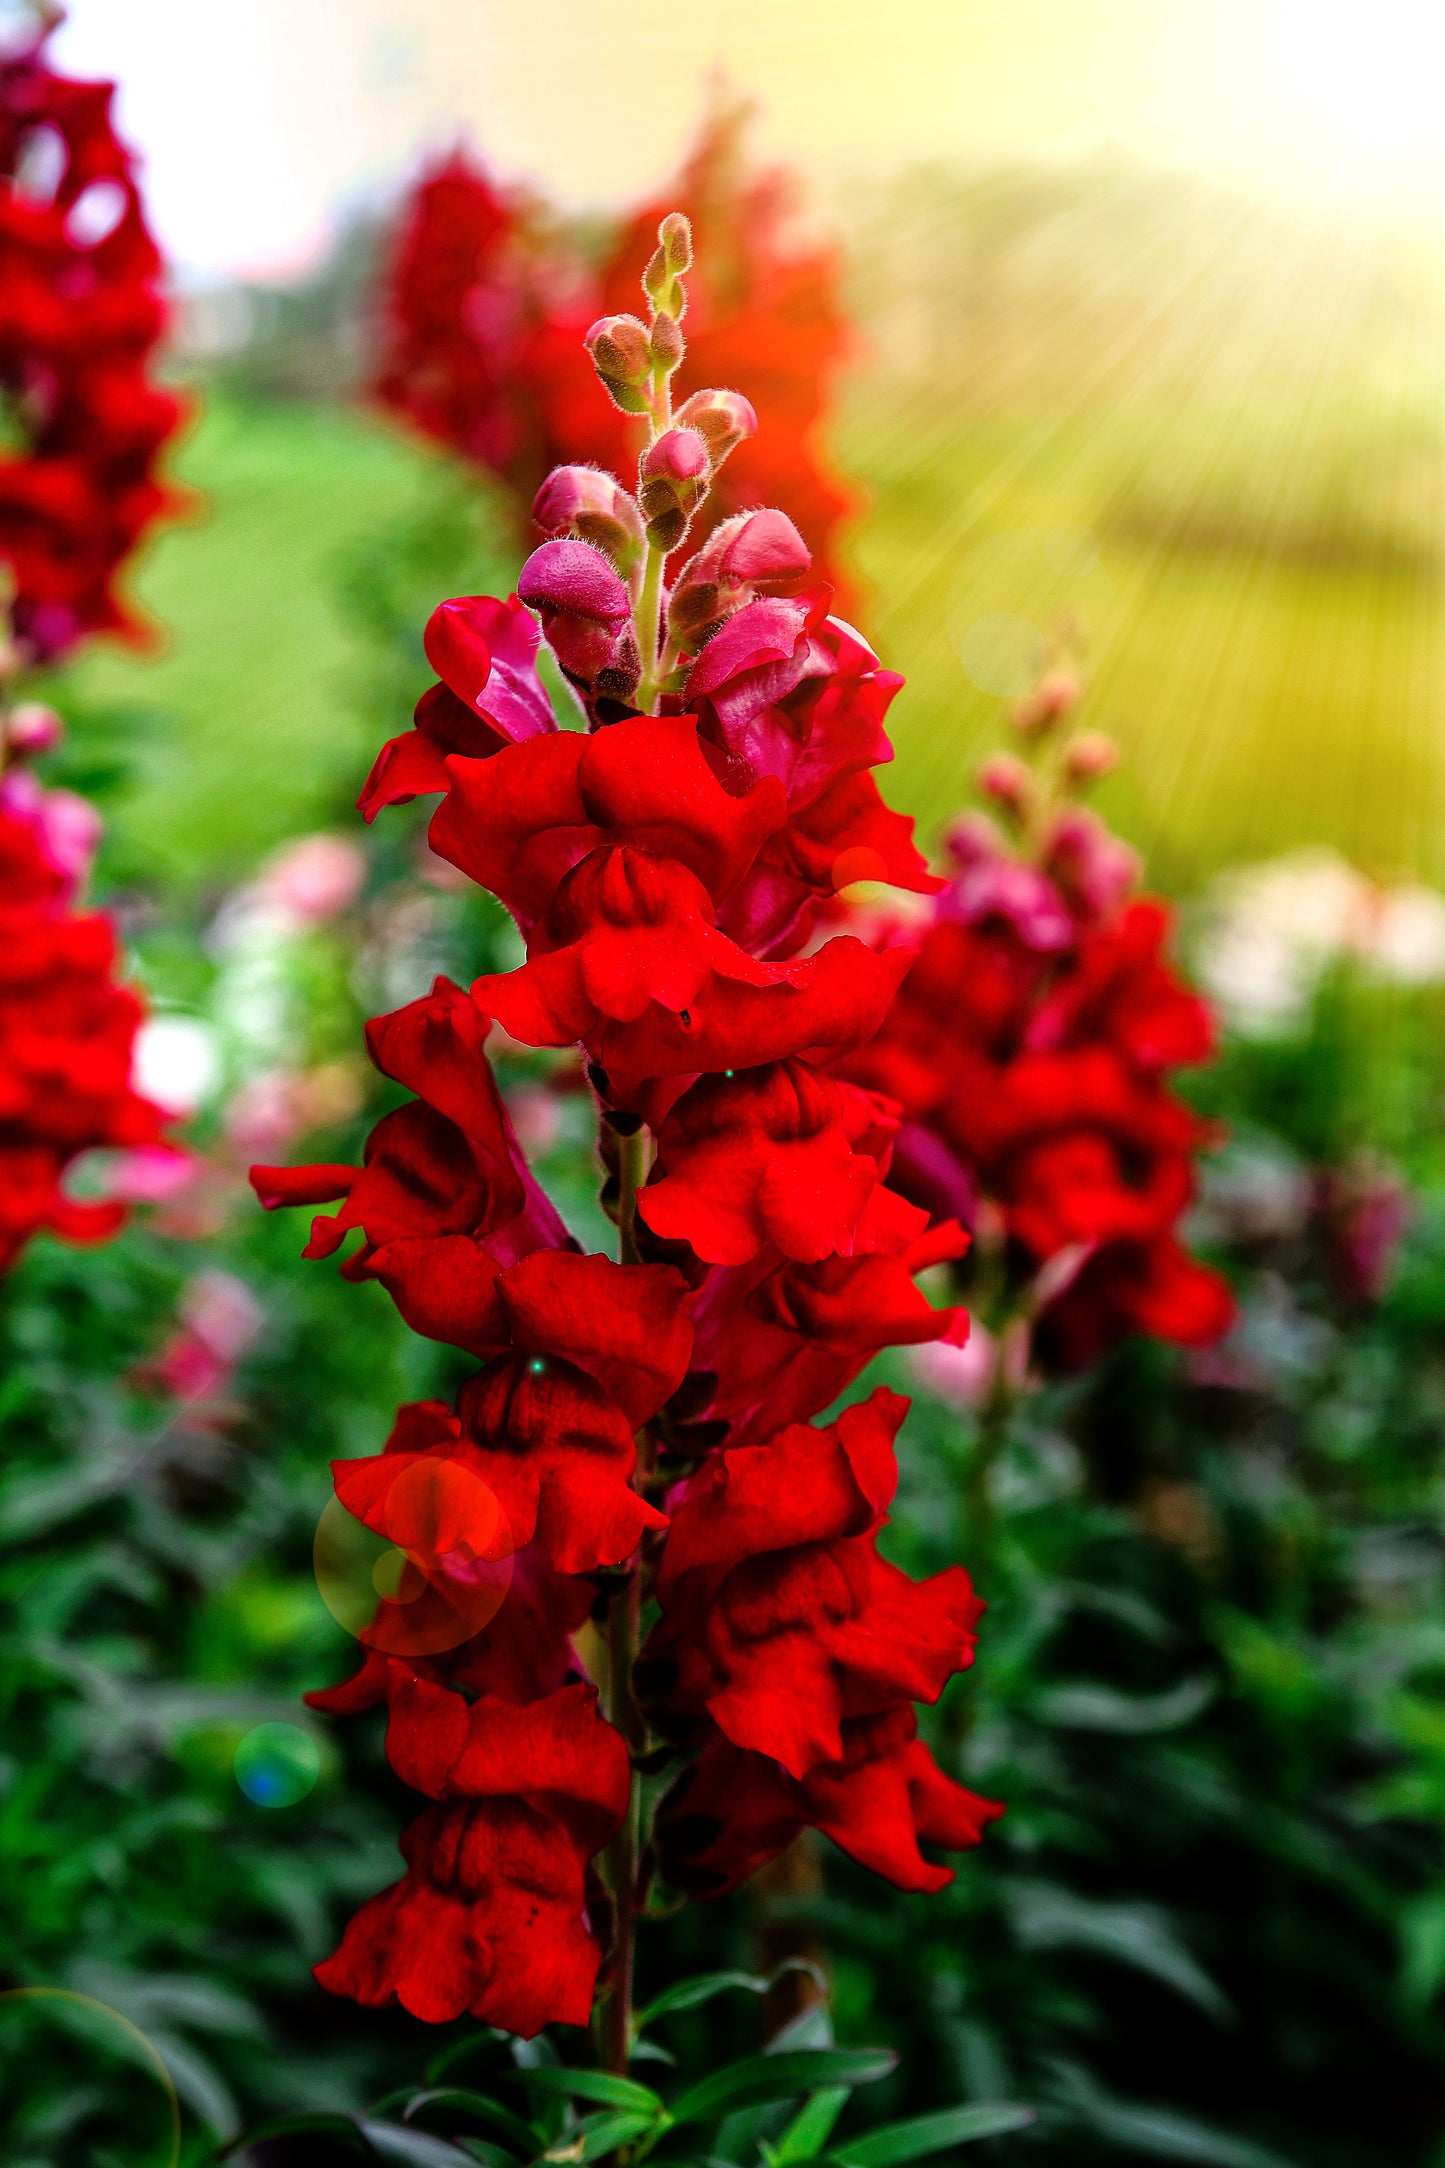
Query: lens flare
x=117 y=2034
x=429 y=1566
x=277 y=1764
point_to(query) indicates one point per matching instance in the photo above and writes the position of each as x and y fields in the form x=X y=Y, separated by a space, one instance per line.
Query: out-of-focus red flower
x=67 y=1029
x=81 y=313
x=1030 y=1049
x=486 y=302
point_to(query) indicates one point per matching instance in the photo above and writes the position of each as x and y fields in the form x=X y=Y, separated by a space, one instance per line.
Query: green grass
x=1264 y=698
x=256 y=733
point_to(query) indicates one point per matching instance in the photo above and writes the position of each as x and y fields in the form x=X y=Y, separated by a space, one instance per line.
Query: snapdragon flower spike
x=68 y=1025
x=1029 y=1051
x=488 y=298
x=81 y=313
x=637 y=1443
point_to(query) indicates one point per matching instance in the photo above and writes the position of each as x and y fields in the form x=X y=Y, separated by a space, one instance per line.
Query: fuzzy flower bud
x=675 y=235
x=1051 y=699
x=586 y=614
x=675 y=471
x=723 y=419
x=757 y=553
x=666 y=345
x=592 y=507
x=662 y=280
x=1008 y=782
x=1091 y=756
x=623 y=359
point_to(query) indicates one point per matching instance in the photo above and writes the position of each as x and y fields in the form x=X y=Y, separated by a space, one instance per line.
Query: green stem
x=623 y=1632
x=649 y=603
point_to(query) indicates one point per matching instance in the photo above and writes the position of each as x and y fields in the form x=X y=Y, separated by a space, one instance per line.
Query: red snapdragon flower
x=81 y=314
x=487 y=298
x=637 y=1435
x=492 y=1915
x=67 y=1026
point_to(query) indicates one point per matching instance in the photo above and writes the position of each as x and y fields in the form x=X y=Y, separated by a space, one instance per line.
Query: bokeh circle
x=277 y=1764
x=429 y=1567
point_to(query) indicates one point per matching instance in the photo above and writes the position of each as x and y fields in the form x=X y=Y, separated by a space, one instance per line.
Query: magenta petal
x=759 y=656
x=575 y=580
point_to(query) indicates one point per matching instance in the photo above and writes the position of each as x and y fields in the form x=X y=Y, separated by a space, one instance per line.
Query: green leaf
x=490 y=2156
x=687 y=1994
x=410 y=2148
x=526 y=2142
x=776 y=2077
x=923 y=2134
x=1049 y=1918
x=603 y=2133
x=1085 y=1707
x=810 y=2128
x=603 y=2085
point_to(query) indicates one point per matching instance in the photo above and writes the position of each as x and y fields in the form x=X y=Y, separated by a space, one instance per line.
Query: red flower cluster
x=487 y=300
x=1030 y=1049
x=67 y=1029
x=636 y=1445
x=81 y=312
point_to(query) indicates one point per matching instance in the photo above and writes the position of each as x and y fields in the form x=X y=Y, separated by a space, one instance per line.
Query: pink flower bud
x=1007 y=781
x=752 y=554
x=723 y=419
x=592 y=507
x=1091 y=756
x=1055 y=694
x=1094 y=869
x=31 y=729
x=676 y=471
x=586 y=614
x=622 y=358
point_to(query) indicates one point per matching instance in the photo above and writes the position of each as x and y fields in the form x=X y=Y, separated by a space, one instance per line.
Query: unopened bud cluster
x=636 y=655
x=1037 y=789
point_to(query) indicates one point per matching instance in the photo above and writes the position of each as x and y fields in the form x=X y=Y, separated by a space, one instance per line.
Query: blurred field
x=252 y=732
x=1212 y=442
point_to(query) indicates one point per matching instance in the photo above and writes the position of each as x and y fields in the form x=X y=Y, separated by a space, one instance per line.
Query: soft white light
x=1368 y=73
x=175 y=1063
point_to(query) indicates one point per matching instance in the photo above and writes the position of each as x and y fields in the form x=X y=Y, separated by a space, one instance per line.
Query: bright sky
x=260 y=119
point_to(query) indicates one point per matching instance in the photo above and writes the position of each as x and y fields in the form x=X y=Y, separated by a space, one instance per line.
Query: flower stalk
x=644 y=1427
